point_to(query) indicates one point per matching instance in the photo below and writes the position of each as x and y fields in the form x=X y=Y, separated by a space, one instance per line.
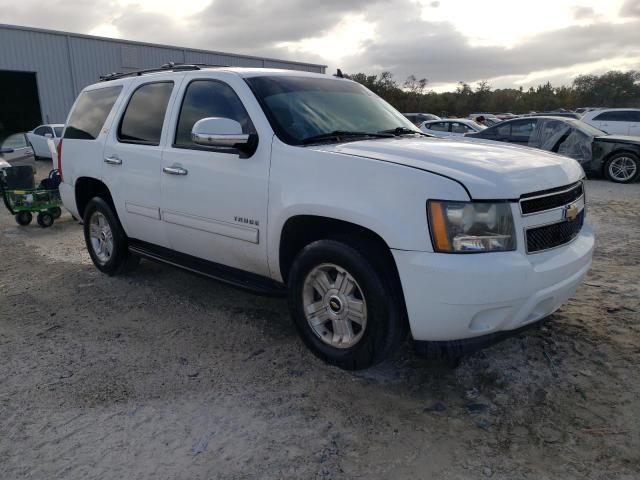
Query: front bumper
x=454 y=297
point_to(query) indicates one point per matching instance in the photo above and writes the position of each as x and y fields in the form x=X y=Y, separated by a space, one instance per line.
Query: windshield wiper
x=404 y=131
x=339 y=134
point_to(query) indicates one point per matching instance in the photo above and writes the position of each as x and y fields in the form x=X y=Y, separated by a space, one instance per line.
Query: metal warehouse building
x=42 y=71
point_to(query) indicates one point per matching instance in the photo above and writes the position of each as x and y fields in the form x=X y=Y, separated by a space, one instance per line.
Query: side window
x=17 y=140
x=503 y=130
x=457 y=127
x=40 y=131
x=615 y=116
x=523 y=129
x=90 y=113
x=208 y=98
x=48 y=130
x=144 y=116
x=438 y=127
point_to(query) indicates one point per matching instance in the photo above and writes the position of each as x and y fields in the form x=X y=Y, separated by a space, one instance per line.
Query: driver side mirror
x=48 y=135
x=217 y=132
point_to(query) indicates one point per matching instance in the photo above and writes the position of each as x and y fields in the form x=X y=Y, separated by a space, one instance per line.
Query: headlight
x=471 y=227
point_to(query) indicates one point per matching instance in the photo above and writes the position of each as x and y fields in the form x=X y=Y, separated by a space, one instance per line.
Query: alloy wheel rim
x=101 y=237
x=622 y=168
x=334 y=306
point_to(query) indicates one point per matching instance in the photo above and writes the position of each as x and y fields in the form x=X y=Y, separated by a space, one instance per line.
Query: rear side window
x=616 y=116
x=209 y=98
x=143 y=119
x=438 y=127
x=90 y=113
x=523 y=129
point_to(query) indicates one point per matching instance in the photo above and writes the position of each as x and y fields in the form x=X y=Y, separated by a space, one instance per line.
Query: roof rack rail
x=167 y=67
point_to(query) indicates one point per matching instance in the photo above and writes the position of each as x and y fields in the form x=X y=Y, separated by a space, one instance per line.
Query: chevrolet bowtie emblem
x=571 y=212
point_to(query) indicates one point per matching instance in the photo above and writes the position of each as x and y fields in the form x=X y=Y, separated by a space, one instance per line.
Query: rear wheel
x=343 y=305
x=622 y=167
x=106 y=240
x=45 y=219
x=24 y=218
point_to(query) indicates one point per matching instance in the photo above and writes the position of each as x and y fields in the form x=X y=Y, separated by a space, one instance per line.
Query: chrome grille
x=543 y=201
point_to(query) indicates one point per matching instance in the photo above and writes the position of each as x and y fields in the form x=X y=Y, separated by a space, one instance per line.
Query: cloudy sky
x=508 y=42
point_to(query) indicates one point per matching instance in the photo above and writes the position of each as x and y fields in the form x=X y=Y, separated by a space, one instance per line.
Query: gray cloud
x=438 y=52
x=581 y=13
x=631 y=8
x=404 y=43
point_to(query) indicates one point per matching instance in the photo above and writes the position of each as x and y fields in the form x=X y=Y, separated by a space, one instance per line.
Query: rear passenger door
x=132 y=157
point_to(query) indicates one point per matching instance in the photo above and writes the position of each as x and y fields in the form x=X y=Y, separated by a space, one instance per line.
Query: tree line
x=611 y=89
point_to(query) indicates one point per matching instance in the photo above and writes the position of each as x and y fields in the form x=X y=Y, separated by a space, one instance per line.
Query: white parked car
x=38 y=138
x=311 y=186
x=617 y=121
x=15 y=151
x=454 y=127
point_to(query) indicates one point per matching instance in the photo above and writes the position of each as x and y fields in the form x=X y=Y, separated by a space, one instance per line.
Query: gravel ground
x=165 y=375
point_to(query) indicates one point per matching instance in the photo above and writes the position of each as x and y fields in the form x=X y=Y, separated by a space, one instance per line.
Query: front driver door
x=214 y=200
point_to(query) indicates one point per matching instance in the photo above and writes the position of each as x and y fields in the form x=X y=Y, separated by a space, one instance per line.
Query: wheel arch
x=615 y=152
x=88 y=187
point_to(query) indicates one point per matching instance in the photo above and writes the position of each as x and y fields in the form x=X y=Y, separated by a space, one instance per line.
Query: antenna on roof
x=339 y=74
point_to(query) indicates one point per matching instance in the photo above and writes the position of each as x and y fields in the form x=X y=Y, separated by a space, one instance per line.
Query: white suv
x=617 y=121
x=312 y=186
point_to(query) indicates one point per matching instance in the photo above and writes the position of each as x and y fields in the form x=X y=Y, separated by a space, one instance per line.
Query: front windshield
x=300 y=108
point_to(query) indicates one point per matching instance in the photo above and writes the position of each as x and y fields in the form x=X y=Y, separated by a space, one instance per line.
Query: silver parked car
x=39 y=137
x=15 y=150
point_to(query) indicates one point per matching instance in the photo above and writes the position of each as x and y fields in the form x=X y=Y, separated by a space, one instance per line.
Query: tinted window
x=143 y=119
x=90 y=112
x=438 y=127
x=58 y=131
x=616 y=116
x=523 y=129
x=207 y=98
x=503 y=130
x=40 y=131
x=457 y=127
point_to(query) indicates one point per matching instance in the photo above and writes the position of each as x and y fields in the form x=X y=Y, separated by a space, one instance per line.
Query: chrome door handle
x=175 y=170
x=113 y=160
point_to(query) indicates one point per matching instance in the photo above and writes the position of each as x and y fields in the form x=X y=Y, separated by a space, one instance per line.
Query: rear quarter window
x=90 y=113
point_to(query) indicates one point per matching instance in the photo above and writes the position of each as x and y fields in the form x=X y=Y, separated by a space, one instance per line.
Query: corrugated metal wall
x=65 y=63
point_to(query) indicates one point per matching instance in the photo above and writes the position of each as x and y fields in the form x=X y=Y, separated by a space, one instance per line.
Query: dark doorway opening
x=19 y=102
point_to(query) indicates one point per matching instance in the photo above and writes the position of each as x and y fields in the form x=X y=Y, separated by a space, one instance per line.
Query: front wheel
x=622 y=168
x=106 y=240
x=343 y=305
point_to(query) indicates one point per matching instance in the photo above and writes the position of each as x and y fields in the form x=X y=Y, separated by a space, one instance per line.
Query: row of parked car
x=605 y=141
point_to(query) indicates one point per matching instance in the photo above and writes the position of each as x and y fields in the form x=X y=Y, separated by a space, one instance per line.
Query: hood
x=488 y=170
x=619 y=139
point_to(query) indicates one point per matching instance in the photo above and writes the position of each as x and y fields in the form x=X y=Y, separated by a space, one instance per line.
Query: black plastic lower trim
x=233 y=276
x=467 y=346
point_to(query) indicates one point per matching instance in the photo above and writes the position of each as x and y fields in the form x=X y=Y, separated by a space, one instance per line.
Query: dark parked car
x=616 y=157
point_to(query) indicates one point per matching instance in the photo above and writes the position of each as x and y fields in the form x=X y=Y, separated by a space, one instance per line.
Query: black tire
x=23 y=218
x=45 y=219
x=120 y=259
x=56 y=212
x=630 y=157
x=386 y=326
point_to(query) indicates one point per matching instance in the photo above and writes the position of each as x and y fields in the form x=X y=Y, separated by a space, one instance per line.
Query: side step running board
x=222 y=273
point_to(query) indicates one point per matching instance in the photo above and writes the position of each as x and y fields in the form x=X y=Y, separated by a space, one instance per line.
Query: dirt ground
x=164 y=375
